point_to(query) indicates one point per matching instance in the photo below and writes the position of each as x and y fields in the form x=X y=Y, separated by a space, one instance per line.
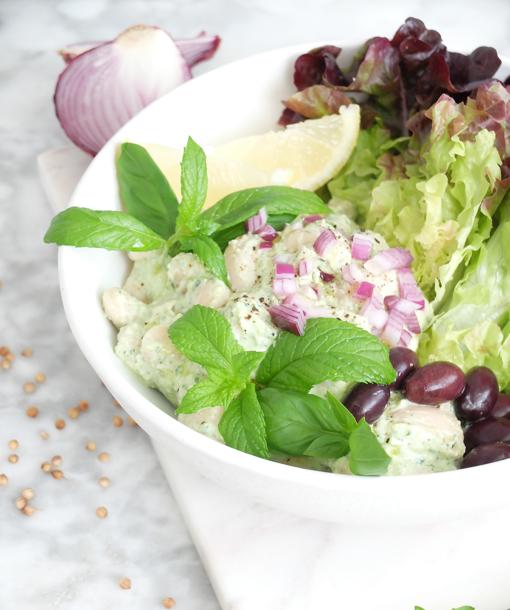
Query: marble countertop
x=64 y=557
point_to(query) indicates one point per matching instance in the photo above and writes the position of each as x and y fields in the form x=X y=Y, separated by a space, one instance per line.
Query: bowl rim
x=135 y=403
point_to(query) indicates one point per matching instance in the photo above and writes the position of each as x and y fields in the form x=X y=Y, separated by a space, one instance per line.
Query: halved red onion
x=194 y=50
x=265 y=245
x=387 y=260
x=408 y=287
x=413 y=323
x=305 y=267
x=361 y=248
x=268 y=233
x=312 y=218
x=375 y=312
x=326 y=277
x=322 y=243
x=403 y=305
x=393 y=328
x=364 y=290
x=284 y=282
x=104 y=87
x=257 y=222
x=308 y=307
x=288 y=317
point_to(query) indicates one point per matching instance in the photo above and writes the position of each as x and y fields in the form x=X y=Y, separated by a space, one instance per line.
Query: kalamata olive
x=486 y=454
x=367 y=400
x=404 y=361
x=487 y=431
x=434 y=383
x=479 y=395
x=502 y=406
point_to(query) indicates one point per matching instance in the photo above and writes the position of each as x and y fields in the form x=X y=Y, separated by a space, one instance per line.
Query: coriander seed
x=3 y=480
x=117 y=421
x=13 y=458
x=103 y=456
x=29 y=387
x=27 y=493
x=104 y=481
x=57 y=474
x=125 y=583
x=102 y=512
x=60 y=424
x=32 y=411
x=168 y=602
x=90 y=446
x=13 y=444
x=40 y=377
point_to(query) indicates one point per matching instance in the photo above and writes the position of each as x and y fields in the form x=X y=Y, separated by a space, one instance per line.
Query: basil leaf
x=204 y=336
x=209 y=253
x=209 y=393
x=193 y=184
x=241 y=205
x=302 y=424
x=144 y=190
x=242 y=425
x=330 y=350
x=86 y=228
x=366 y=456
x=345 y=418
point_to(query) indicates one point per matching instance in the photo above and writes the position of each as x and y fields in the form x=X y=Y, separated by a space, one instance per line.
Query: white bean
x=121 y=307
x=212 y=293
x=241 y=261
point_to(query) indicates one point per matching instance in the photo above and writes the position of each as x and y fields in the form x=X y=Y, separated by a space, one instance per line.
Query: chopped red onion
x=347 y=275
x=103 y=88
x=265 y=245
x=268 y=233
x=284 y=282
x=313 y=218
x=288 y=317
x=393 y=328
x=364 y=290
x=310 y=310
x=408 y=287
x=405 y=338
x=322 y=243
x=413 y=323
x=257 y=222
x=305 y=267
x=326 y=277
x=387 y=260
x=353 y=273
x=361 y=248
x=374 y=311
x=403 y=305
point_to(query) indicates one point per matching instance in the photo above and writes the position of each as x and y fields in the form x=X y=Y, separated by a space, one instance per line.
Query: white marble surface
x=63 y=557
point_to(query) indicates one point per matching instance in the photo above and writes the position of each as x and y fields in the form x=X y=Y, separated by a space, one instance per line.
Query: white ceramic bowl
x=239 y=99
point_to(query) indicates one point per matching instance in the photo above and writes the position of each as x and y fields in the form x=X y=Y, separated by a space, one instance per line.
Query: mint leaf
x=193 y=184
x=303 y=424
x=238 y=207
x=144 y=190
x=209 y=253
x=109 y=230
x=246 y=362
x=366 y=456
x=329 y=350
x=210 y=393
x=204 y=336
x=242 y=425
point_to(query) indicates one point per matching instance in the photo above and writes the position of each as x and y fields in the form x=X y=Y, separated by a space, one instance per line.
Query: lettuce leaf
x=473 y=328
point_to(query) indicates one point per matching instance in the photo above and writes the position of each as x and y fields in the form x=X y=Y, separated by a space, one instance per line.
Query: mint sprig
x=153 y=209
x=273 y=414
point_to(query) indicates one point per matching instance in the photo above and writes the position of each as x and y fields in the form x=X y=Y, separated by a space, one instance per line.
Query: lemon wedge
x=305 y=155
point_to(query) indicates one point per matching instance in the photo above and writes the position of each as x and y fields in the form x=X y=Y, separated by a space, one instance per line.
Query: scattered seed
x=102 y=512
x=5 y=364
x=13 y=444
x=3 y=480
x=117 y=421
x=73 y=412
x=168 y=602
x=20 y=503
x=27 y=352
x=125 y=583
x=27 y=493
x=131 y=421
x=56 y=460
x=90 y=446
x=83 y=405
x=28 y=510
x=10 y=357
x=32 y=411
x=104 y=481
x=46 y=467
x=44 y=435
x=57 y=474
x=29 y=387
x=103 y=457
x=60 y=424
x=4 y=350
x=13 y=458
x=40 y=377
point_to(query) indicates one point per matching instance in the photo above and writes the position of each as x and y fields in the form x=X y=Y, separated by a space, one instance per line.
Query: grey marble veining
x=64 y=557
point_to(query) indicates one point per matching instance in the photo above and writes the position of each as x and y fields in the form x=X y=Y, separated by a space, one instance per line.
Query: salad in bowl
x=344 y=306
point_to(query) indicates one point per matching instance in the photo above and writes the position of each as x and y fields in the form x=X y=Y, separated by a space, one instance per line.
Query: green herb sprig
x=265 y=395
x=155 y=219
